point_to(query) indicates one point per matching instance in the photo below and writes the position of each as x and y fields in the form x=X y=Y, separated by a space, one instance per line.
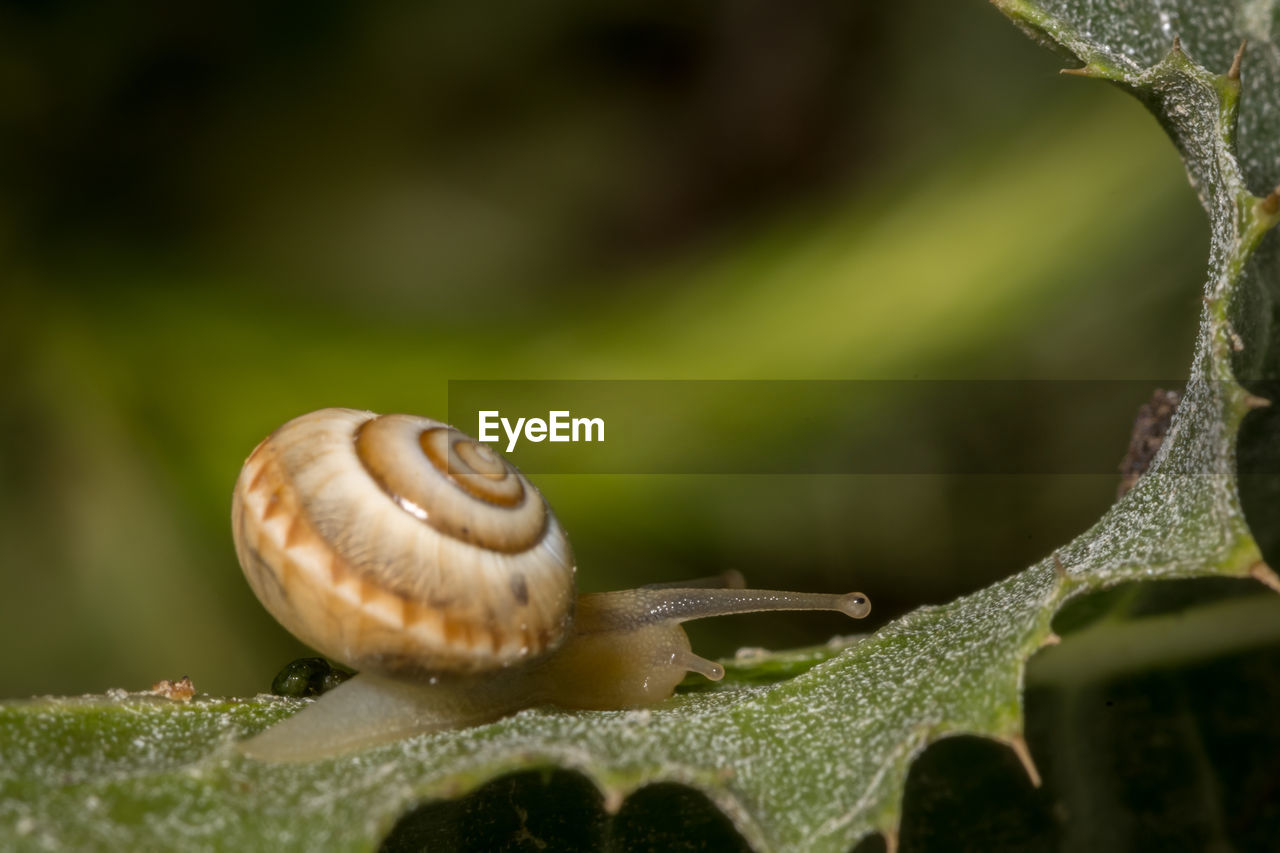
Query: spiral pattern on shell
x=397 y=544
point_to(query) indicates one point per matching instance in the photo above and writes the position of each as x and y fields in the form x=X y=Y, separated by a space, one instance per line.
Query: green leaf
x=811 y=762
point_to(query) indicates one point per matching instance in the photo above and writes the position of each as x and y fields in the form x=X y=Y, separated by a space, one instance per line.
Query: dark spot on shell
x=491 y=624
x=519 y=588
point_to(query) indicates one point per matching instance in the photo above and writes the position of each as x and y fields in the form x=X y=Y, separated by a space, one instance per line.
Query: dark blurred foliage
x=397 y=141
x=168 y=123
x=215 y=218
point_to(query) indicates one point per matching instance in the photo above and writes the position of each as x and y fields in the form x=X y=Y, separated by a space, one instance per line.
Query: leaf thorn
x=1050 y=639
x=890 y=840
x=1019 y=746
x=1271 y=204
x=1253 y=401
x=1233 y=73
x=1058 y=567
x=1264 y=574
x=1177 y=45
x=1082 y=71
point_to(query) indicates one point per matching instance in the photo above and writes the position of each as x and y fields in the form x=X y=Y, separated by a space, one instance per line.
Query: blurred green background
x=212 y=222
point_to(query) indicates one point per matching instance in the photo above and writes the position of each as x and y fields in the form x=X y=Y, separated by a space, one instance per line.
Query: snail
x=404 y=549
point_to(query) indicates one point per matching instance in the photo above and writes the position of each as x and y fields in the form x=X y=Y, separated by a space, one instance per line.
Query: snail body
x=403 y=548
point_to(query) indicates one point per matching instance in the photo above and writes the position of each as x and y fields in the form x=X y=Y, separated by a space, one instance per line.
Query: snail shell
x=398 y=545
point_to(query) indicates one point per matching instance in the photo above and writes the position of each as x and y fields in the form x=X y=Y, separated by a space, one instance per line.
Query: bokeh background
x=214 y=220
